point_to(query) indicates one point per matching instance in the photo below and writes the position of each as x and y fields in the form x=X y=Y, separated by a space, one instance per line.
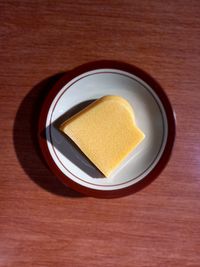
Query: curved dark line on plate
x=123 y=74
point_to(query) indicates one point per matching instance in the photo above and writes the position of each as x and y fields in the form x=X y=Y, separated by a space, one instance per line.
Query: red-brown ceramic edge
x=170 y=119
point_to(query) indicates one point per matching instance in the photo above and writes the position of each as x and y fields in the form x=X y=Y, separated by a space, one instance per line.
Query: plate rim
x=53 y=150
x=170 y=115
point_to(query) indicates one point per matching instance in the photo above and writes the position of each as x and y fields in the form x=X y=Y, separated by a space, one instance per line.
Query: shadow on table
x=26 y=144
x=26 y=129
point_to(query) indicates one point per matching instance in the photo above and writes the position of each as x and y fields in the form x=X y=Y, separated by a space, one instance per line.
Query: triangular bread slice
x=105 y=131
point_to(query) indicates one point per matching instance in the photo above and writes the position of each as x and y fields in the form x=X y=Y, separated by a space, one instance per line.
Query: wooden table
x=41 y=222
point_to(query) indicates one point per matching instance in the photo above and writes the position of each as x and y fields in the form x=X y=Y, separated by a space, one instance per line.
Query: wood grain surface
x=42 y=223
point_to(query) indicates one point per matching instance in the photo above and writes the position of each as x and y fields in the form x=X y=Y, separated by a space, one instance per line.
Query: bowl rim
x=171 y=121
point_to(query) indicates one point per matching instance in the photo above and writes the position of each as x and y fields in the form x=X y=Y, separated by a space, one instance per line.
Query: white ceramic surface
x=150 y=117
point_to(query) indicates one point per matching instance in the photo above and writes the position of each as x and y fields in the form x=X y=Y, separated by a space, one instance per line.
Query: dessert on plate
x=105 y=131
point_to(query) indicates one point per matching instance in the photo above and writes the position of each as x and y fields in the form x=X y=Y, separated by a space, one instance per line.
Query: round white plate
x=151 y=118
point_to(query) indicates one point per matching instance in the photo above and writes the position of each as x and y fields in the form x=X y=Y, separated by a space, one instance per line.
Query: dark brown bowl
x=170 y=120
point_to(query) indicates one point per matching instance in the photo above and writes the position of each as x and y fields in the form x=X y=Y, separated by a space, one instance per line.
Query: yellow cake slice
x=105 y=131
